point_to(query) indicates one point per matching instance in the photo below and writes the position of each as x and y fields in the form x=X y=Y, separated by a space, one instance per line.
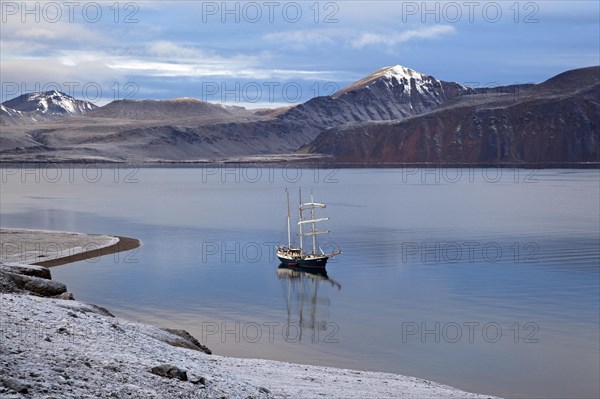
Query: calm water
x=484 y=280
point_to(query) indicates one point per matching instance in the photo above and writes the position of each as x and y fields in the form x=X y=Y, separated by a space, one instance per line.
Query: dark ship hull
x=311 y=263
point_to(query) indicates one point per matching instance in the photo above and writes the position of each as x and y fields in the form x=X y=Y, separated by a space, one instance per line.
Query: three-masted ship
x=297 y=256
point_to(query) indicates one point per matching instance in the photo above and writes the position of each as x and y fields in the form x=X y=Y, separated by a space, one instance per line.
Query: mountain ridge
x=554 y=122
x=382 y=103
x=160 y=109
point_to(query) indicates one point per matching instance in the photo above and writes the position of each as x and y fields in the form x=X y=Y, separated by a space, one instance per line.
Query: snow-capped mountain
x=399 y=79
x=389 y=93
x=43 y=106
x=548 y=124
x=50 y=102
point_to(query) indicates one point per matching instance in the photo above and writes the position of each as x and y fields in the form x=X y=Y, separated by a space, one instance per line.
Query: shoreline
x=309 y=163
x=124 y=244
x=51 y=248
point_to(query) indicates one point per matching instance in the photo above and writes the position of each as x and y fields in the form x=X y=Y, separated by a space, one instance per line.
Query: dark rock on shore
x=16 y=385
x=169 y=371
x=34 y=280
x=39 y=286
x=28 y=270
x=187 y=341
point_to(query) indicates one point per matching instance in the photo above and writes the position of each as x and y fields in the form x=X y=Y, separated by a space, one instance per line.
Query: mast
x=313 y=226
x=300 y=216
x=312 y=205
x=288 y=219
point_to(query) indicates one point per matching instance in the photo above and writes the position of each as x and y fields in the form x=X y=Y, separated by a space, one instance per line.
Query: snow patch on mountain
x=399 y=78
x=58 y=103
x=400 y=72
x=42 y=106
x=10 y=111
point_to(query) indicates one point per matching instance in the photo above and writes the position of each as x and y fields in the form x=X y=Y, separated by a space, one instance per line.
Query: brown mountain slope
x=162 y=109
x=554 y=123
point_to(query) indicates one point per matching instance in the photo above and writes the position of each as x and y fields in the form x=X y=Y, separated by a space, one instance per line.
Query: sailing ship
x=297 y=256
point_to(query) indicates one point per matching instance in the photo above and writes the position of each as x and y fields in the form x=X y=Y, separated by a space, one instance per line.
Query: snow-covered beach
x=54 y=346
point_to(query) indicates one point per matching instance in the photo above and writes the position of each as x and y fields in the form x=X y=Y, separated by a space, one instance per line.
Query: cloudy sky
x=272 y=53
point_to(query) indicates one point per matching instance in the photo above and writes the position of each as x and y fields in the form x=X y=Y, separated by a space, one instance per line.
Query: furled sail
x=312 y=220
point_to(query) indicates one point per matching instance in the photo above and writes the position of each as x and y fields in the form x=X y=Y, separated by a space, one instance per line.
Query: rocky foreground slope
x=52 y=346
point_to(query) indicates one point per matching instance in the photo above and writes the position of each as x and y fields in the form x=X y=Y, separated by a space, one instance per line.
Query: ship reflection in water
x=305 y=309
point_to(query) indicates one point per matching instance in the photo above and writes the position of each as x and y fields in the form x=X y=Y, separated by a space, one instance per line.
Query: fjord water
x=487 y=280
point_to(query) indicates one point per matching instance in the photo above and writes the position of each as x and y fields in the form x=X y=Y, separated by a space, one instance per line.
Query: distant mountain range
x=394 y=116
